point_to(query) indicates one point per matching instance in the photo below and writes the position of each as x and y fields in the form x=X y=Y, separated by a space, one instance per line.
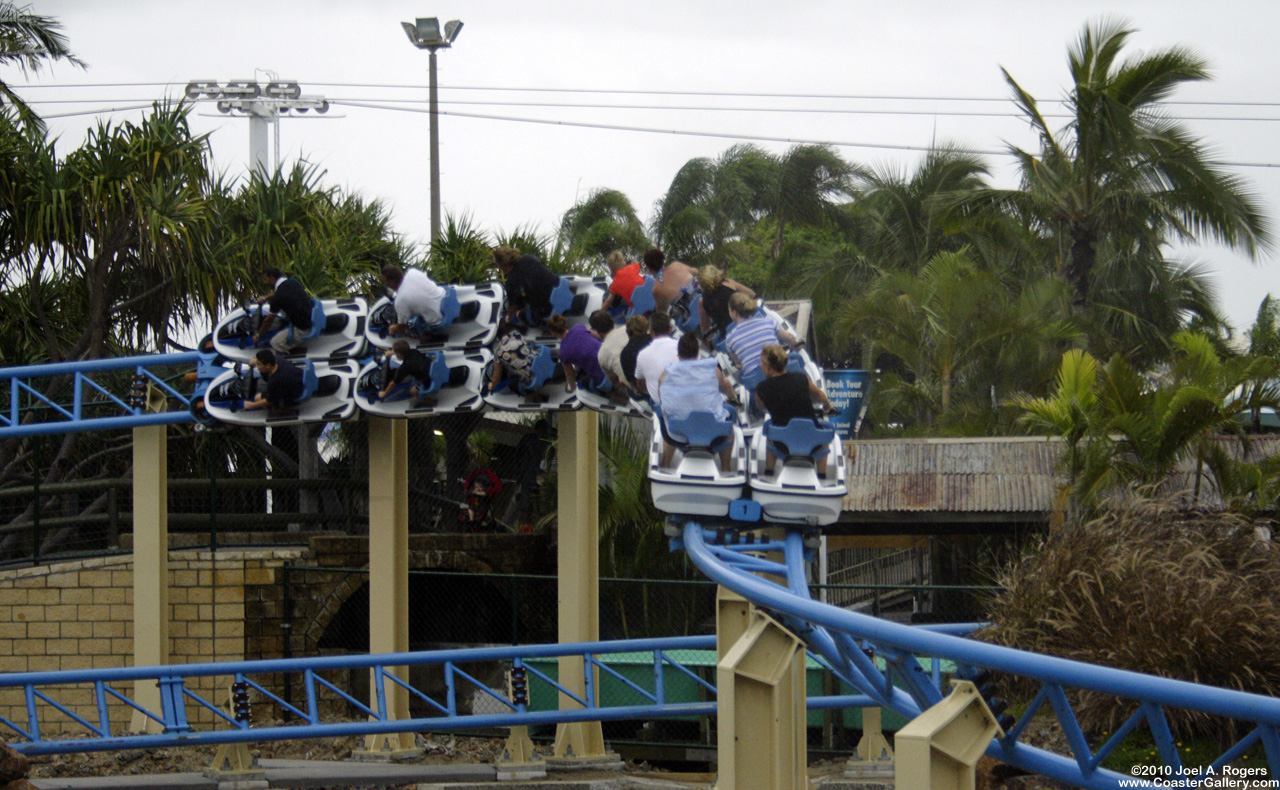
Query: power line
x=724 y=135
x=691 y=108
x=631 y=128
x=647 y=92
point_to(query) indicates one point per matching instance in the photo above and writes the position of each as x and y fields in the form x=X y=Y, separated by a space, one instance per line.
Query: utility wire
x=628 y=128
x=723 y=135
x=637 y=92
x=677 y=107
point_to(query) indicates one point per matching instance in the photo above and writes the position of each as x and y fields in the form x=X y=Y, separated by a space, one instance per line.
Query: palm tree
x=712 y=205
x=1123 y=178
x=29 y=41
x=810 y=179
x=1134 y=432
x=954 y=327
x=602 y=222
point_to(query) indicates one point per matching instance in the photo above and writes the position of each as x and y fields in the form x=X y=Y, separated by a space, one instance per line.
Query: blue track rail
x=93 y=402
x=847 y=641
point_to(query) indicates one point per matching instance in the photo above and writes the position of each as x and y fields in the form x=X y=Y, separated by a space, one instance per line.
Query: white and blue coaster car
x=575 y=298
x=328 y=390
x=794 y=492
x=548 y=391
x=456 y=379
x=337 y=331
x=694 y=484
x=599 y=400
x=470 y=317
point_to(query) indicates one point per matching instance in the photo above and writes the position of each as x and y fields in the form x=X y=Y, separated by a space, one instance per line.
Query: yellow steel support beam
x=939 y=749
x=760 y=684
x=150 y=566
x=578 y=520
x=389 y=572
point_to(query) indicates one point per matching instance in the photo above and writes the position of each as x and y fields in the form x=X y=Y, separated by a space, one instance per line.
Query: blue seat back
x=439 y=375
x=450 y=307
x=799 y=438
x=561 y=297
x=642 y=301
x=317 y=324
x=753 y=379
x=795 y=362
x=310 y=381
x=544 y=367
x=700 y=429
x=691 y=321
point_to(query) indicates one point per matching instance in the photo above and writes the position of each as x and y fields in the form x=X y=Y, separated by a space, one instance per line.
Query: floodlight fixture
x=424 y=32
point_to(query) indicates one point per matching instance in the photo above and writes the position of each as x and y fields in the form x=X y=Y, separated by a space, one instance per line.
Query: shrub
x=1150 y=588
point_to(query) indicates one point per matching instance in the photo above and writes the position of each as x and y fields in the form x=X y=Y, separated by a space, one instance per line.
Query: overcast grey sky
x=506 y=173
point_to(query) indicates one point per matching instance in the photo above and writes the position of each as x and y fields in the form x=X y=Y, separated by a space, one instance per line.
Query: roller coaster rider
x=529 y=285
x=288 y=298
x=417 y=301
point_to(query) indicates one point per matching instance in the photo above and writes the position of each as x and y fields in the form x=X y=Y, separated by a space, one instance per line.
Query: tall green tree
x=29 y=41
x=1123 y=178
x=712 y=205
x=335 y=242
x=956 y=329
x=1126 y=430
x=812 y=182
x=600 y=223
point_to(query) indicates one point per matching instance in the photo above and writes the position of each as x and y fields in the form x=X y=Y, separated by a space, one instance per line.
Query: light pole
x=424 y=33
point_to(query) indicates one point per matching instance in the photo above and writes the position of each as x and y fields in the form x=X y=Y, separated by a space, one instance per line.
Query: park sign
x=847 y=390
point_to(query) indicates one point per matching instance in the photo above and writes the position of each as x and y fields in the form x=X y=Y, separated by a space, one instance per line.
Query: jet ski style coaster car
x=546 y=392
x=456 y=379
x=600 y=401
x=337 y=330
x=693 y=483
x=470 y=318
x=795 y=492
x=575 y=298
x=327 y=390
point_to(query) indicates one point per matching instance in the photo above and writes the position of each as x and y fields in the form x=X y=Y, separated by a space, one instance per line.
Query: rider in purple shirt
x=579 y=351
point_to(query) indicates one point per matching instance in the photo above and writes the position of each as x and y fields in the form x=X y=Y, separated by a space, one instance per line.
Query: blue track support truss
x=97 y=397
x=46 y=692
x=849 y=642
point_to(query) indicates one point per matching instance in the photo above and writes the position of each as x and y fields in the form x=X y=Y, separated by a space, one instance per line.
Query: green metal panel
x=638 y=668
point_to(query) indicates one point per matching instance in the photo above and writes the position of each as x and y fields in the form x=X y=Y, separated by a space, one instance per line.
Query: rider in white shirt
x=417 y=299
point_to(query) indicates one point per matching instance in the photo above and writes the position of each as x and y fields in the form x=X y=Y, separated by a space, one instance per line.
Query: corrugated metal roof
x=979 y=475
x=982 y=475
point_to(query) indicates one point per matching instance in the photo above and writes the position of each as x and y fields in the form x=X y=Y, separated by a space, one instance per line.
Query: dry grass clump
x=1152 y=589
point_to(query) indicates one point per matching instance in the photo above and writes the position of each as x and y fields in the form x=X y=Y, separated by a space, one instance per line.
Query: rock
x=18 y=784
x=13 y=766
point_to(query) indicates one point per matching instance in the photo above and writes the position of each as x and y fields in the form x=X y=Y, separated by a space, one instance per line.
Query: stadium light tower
x=425 y=33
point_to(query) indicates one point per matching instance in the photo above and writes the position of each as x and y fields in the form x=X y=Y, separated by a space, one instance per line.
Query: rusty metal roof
x=982 y=475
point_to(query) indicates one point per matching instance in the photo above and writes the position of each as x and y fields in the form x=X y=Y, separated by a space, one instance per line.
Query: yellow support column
x=579 y=744
x=389 y=575
x=761 y=716
x=939 y=749
x=150 y=567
